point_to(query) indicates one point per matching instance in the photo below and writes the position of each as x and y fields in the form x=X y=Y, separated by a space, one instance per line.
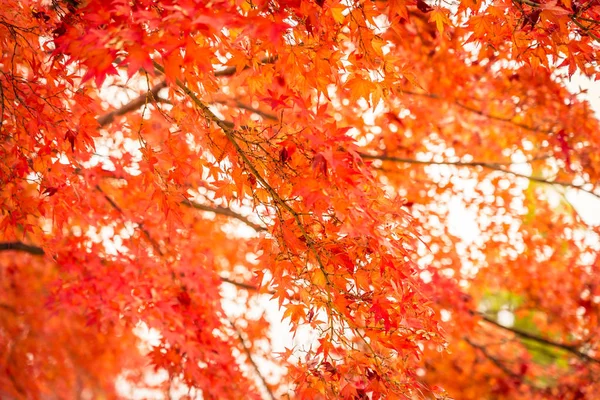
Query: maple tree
x=163 y=160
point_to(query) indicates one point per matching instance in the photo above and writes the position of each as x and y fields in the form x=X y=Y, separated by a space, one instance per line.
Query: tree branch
x=226 y=212
x=251 y=360
x=477 y=111
x=133 y=105
x=487 y=165
x=243 y=285
x=247 y=107
x=38 y=251
x=566 y=347
x=494 y=360
x=501 y=167
x=230 y=134
x=19 y=246
x=144 y=98
x=8 y=308
x=229 y=71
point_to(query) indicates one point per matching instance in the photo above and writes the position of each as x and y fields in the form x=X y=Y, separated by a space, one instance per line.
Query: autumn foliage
x=400 y=182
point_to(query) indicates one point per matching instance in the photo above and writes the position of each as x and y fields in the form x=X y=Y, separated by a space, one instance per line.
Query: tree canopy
x=399 y=178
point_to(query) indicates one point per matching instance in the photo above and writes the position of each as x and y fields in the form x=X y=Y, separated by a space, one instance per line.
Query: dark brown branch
x=8 y=308
x=209 y=208
x=241 y=285
x=110 y=201
x=487 y=165
x=587 y=30
x=19 y=246
x=524 y=335
x=501 y=167
x=263 y=114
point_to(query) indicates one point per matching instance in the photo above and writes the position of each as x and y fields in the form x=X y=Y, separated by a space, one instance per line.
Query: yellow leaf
x=360 y=87
x=318 y=278
x=338 y=13
x=294 y=312
x=377 y=44
x=438 y=16
x=376 y=95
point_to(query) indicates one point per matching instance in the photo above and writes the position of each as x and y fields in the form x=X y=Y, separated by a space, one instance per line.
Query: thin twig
x=487 y=165
x=114 y=205
x=38 y=251
x=226 y=212
x=251 y=360
x=477 y=111
x=244 y=106
x=142 y=99
x=243 y=285
x=133 y=105
x=494 y=360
